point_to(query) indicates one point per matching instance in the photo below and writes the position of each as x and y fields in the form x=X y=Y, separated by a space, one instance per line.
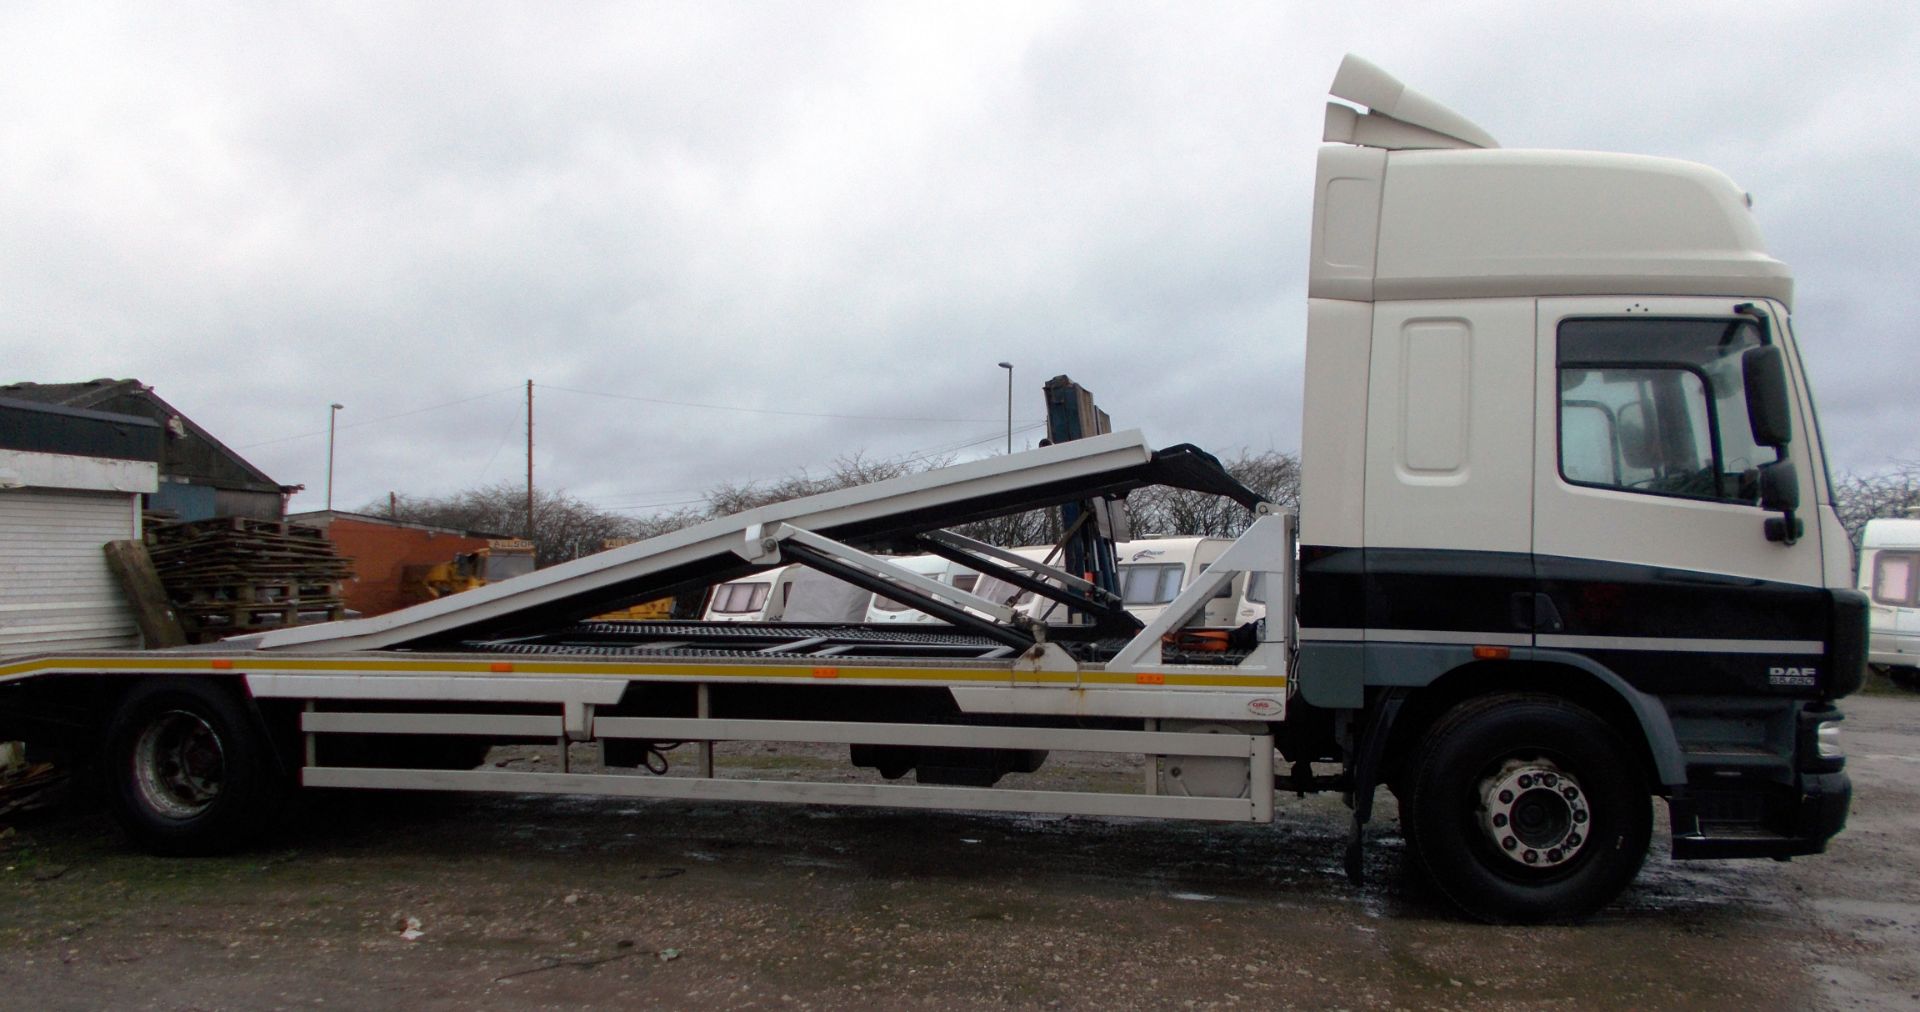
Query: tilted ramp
x=872 y=517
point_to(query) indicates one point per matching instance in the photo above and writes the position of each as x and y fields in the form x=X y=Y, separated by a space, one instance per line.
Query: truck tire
x=188 y=769
x=1526 y=808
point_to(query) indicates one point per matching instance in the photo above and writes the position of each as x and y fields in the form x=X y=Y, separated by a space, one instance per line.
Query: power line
x=513 y=421
x=963 y=444
x=382 y=418
x=767 y=411
x=913 y=455
x=653 y=505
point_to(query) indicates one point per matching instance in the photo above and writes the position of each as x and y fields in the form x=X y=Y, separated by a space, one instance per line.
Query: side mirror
x=1764 y=370
x=1780 y=493
x=1779 y=487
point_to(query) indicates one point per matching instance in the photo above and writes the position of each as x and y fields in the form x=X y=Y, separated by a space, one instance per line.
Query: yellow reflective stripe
x=801 y=668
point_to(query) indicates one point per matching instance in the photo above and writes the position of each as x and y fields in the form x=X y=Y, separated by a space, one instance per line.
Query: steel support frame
x=1257 y=750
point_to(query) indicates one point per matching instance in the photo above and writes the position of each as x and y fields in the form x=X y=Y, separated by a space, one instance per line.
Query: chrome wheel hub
x=1535 y=814
x=178 y=764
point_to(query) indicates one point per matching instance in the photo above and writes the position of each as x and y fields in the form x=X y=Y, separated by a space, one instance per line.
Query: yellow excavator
x=657 y=610
x=501 y=559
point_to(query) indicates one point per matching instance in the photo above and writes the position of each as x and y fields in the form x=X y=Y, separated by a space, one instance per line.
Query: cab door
x=1651 y=549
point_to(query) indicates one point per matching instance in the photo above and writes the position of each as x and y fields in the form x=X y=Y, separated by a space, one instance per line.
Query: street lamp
x=1008 y=366
x=333 y=412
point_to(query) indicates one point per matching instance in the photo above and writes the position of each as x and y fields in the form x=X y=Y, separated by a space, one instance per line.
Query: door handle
x=1534 y=612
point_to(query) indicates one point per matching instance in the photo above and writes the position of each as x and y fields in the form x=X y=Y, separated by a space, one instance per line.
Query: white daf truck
x=1565 y=547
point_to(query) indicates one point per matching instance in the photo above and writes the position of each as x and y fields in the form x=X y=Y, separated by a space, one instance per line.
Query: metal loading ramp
x=870 y=517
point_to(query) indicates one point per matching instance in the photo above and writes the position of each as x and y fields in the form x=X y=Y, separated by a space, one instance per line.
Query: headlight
x=1826 y=739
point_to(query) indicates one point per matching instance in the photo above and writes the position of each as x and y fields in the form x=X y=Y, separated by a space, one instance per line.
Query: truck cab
x=1559 y=455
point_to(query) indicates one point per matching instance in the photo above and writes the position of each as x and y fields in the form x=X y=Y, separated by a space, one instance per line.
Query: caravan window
x=1143 y=583
x=1893 y=578
x=884 y=603
x=741 y=598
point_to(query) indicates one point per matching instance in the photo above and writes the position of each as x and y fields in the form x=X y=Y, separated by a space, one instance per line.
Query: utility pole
x=1008 y=366
x=333 y=412
x=529 y=460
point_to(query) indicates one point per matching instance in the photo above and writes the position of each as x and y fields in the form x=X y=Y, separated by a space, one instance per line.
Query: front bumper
x=1800 y=826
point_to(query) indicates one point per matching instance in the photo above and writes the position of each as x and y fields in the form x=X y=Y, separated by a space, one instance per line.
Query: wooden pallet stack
x=233 y=575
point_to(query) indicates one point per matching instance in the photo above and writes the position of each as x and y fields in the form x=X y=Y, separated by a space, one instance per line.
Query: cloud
x=853 y=213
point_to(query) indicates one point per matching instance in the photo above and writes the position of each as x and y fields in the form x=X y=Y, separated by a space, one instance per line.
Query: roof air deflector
x=1398 y=117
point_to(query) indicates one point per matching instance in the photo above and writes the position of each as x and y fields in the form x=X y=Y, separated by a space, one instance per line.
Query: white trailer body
x=1890 y=577
x=1566 y=543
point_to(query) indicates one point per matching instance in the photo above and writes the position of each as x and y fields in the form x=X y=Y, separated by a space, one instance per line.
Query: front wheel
x=1526 y=808
x=189 y=770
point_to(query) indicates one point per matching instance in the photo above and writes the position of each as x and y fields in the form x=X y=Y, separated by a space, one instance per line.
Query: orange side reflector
x=223 y=665
x=826 y=672
x=1150 y=679
x=500 y=666
x=1492 y=653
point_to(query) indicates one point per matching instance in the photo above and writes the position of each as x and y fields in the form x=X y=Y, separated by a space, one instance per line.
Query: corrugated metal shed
x=70 y=481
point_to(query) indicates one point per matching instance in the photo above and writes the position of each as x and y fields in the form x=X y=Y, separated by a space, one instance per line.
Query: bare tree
x=1161 y=510
x=1157 y=510
x=567 y=528
x=846 y=471
x=1859 y=498
x=1034 y=527
x=564 y=527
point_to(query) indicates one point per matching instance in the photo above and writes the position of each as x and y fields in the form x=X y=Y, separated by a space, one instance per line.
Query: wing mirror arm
x=1770 y=417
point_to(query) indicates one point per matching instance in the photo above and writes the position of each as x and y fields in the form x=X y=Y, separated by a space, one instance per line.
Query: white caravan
x=757 y=598
x=1153 y=571
x=1025 y=602
x=813 y=596
x=788 y=594
x=887 y=611
x=1890 y=577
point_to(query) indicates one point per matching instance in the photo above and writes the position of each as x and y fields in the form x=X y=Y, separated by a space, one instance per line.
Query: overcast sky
x=731 y=241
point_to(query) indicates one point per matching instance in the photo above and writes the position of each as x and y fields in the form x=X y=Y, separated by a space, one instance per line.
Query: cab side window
x=1658 y=406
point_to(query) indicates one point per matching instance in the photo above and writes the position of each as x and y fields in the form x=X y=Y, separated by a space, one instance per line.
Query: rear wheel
x=1526 y=808
x=188 y=769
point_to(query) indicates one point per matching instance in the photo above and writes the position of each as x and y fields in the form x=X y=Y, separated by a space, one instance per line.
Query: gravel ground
x=445 y=902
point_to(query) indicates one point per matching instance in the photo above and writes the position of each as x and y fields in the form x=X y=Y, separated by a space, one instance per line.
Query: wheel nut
x=1531 y=857
x=1579 y=815
x=1573 y=839
x=1509 y=843
x=1569 y=793
x=1506 y=797
x=1526 y=781
x=1550 y=780
x=1499 y=819
x=1553 y=855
